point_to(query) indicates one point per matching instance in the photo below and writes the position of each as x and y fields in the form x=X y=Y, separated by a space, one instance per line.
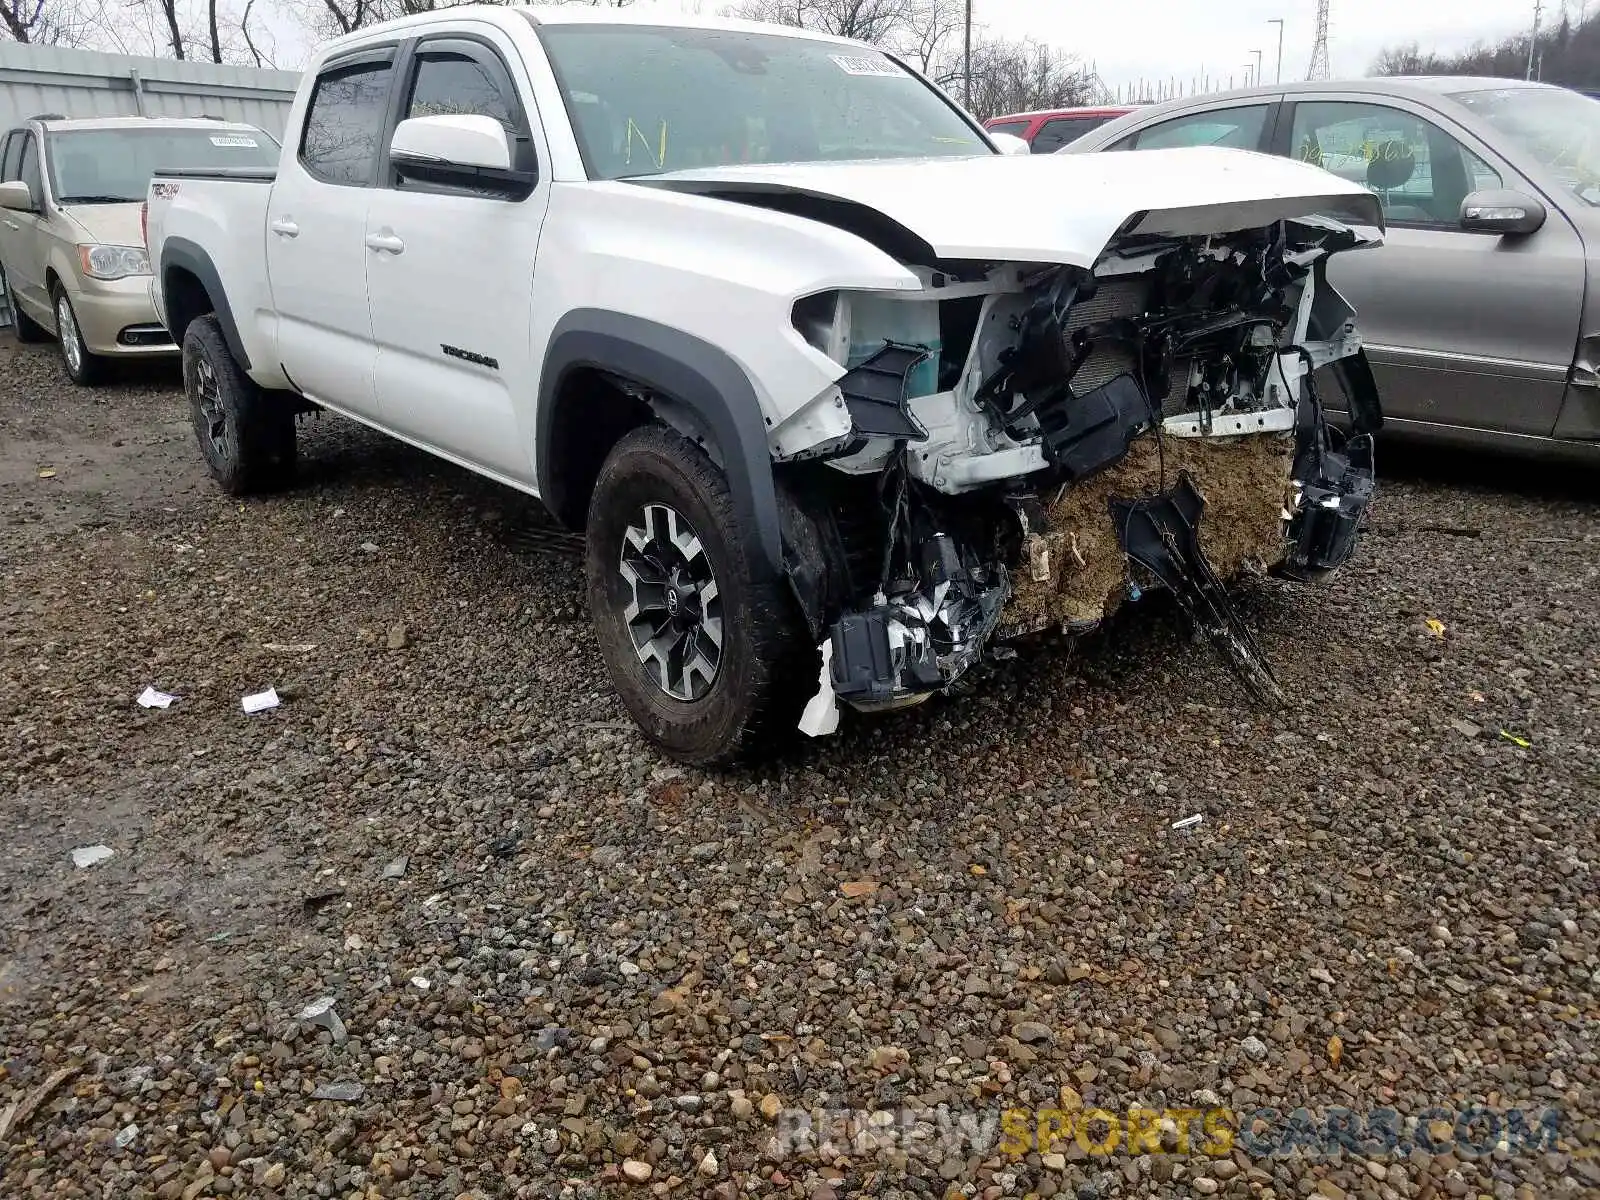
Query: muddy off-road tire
x=246 y=434
x=25 y=327
x=730 y=666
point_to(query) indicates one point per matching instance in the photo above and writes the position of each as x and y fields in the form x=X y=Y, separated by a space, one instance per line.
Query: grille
x=1121 y=298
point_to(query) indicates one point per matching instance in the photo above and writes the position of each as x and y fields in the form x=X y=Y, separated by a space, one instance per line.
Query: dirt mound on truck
x=1245 y=482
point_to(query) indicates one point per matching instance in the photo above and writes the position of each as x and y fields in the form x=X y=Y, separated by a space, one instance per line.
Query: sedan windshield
x=113 y=166
x=644 y=100
x=1558 y=127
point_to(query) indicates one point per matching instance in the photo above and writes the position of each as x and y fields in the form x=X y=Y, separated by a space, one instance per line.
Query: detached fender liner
x=684 y=376
x=184 y=255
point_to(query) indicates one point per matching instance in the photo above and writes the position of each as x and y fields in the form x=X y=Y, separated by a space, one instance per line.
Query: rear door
x=1243 y=125
x=1461 y=328
x=316 y=232
x=450 y=271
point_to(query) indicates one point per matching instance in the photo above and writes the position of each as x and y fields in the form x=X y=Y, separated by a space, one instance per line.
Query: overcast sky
x=1128 y=39
x=1153 y=39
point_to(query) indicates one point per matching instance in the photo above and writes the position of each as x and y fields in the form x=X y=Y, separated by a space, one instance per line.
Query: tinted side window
x=344 y=123
x=1418 y=171
x=28 y=172
x=456 y=84
x=1238 y=128
x=1014 y=128
x=10 y=156
x=1062 y=131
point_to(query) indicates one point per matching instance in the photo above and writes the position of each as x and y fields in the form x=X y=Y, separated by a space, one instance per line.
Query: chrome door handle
x=284 y=227
x=385 y=242
x=12 y=225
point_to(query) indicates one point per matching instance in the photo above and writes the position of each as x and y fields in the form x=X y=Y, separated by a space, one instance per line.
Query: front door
x=1461 y=328
x=316 y=233
x=450 y=314
x=25 y=243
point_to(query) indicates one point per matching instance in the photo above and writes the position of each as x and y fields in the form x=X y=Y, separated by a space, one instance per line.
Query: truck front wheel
x=709 y=656
x=246 y=434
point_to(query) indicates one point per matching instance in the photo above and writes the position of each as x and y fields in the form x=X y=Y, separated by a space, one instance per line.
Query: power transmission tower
x=1533 y=38
x=1319 y=47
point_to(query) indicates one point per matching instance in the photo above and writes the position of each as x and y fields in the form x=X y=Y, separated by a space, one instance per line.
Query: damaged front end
x=1020 y=447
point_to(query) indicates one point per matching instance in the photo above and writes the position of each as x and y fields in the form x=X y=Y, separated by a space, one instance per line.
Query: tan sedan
x=72 y=257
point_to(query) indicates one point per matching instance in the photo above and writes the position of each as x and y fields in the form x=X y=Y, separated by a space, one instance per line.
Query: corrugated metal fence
x=85 y=83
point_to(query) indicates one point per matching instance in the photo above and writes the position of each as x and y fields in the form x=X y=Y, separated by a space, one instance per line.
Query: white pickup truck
x=841 y=394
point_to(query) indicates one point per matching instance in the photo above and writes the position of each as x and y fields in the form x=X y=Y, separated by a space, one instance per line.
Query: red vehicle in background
x=1049 y=130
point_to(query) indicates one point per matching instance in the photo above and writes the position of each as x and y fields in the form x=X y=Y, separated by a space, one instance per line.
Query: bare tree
x=175 y=38
x=22 y=18
x=43 y=22
x=1399 y=60
x=256 y=55
x=1007 y=75
x=216 y=36
x=930 y=38
x=1020 y=76
x=876 y=21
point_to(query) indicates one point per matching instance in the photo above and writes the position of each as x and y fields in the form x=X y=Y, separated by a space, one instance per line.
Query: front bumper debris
x=1161 y=533
x=1129 y=519
x=901 y=649
x=1334 y=477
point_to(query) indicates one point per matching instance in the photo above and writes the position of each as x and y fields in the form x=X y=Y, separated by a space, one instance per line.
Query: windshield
x=1559 y=128
x=112 y=166
x=644 y=99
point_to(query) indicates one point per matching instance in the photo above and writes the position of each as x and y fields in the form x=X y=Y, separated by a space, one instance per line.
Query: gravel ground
x=564 y=967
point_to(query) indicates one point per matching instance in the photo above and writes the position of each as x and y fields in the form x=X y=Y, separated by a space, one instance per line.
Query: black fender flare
x=182 y=254
x=689 y=383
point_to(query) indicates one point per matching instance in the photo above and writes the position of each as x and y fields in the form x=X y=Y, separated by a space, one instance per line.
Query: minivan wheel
x=710 y=658
x=246 y=434
x=27 y=329
x=86 y=369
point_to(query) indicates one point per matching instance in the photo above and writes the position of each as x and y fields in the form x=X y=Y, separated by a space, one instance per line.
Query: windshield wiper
x=99 y=199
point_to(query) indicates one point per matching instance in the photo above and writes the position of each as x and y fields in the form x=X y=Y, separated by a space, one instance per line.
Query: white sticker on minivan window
x=861 y=64
x=247 y=143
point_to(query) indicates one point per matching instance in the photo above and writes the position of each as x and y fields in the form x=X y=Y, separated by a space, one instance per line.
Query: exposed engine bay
x=1020 y=448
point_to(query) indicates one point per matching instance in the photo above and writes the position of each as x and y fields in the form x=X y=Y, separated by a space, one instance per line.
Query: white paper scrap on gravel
x=87 y=856
x=150 y=698
x=821 y=716
x=261 y=701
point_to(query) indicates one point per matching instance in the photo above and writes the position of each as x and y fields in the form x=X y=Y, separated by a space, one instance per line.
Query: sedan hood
x=1052 y=208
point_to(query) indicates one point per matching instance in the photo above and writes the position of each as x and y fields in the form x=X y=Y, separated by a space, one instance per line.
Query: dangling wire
x=1154 y=410
x=894 y=506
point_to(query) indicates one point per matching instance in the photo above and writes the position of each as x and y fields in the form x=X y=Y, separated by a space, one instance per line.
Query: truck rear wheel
x=710 y=658
x=246 y=434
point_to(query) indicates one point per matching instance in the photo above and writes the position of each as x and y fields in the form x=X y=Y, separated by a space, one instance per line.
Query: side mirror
x=469 y=151
x=1498 y=210
x=1010 y=143
x=17 y=197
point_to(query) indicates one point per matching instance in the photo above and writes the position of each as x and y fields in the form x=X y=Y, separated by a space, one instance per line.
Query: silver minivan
x=1476 y=312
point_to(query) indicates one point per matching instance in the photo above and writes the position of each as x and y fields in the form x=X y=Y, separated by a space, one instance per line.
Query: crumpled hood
x=1055 y=208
